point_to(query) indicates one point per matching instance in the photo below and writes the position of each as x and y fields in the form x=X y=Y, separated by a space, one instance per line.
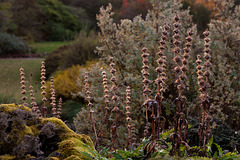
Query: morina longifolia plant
x=124 y=43
x=154 y=119
x=41 y=111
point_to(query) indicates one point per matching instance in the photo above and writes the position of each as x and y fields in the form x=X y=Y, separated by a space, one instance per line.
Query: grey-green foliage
x=124 y=42
x=225 y=35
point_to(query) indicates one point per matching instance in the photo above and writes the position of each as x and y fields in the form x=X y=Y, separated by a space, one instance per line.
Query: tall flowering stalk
x=115 y=98
x=146 y=90
x=106 y=101
x=59 y=110
x=128 y=102
x=204 y=130
x=33 y=103
x=23 y=87
x=53 y=98
x=88 y=93
x=181 y=123
x=43 y=82
x=160 y=81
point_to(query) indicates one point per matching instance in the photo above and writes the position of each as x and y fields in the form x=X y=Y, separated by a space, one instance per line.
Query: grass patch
x=10 y=91
x=47 y=47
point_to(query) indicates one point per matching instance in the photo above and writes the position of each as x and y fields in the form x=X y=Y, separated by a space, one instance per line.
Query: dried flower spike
x=115 y=101
x=106 y=101
x=145 y=74
x=33 y=103
x=181 y=124
x=59 y=110
x=128 y=93
x=204 y=131
x=146 y=90
x=23 y=87
x=53 y=98
x=90 y=107
x=43 y=82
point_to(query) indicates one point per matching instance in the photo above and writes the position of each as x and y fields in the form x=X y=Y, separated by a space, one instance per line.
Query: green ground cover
x=47 y=47
x=10 y=91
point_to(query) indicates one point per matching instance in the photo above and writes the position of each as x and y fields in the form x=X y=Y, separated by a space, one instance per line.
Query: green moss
x=7 y=157
x=34 y=130
x=59 y=123
x=72 y=157
x=28 y=131
x=70 y=144
x=28 y=156
x=10 y=107
x=82 y=137
x=74 y=146
x=53 y=158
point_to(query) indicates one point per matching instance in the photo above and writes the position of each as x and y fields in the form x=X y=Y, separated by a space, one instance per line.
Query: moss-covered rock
x=7 y=157
x=23 y=135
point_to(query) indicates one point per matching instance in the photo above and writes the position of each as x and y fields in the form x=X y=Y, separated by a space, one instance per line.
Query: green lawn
x=10 y=91
x=47 y=47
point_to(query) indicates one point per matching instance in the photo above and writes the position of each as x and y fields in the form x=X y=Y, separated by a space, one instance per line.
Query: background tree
x=201 y=14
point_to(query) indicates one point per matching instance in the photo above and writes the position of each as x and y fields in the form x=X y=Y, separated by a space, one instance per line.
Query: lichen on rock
x=24 y=135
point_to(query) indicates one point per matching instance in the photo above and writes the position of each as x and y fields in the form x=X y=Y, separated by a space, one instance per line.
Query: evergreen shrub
x=10 y=44
x=81 y=50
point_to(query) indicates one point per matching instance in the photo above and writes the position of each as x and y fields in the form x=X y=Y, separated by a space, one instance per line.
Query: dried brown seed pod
x=177 y=69
x=144 y=49
x=177 y=59
x=206 y=73
x=207 y=56
x=185 y=61
x=184 y=68
x=186 y=55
